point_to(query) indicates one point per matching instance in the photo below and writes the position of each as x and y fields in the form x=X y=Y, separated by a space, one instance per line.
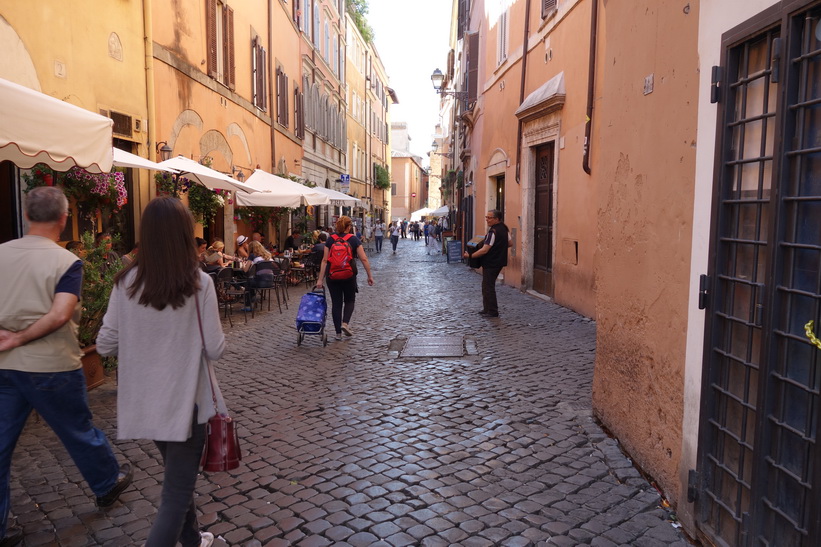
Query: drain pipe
x=522 y=91
x=594 y=20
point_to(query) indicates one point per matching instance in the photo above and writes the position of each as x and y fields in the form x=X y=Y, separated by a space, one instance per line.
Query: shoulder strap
x=202 y=337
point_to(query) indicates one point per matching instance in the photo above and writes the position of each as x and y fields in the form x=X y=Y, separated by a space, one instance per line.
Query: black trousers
x=343 y=298
x=489 y=276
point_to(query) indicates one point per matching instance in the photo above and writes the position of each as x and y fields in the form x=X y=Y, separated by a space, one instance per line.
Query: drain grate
x=434 y=346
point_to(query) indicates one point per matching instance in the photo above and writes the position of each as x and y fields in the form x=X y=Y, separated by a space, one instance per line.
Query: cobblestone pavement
x=358 y=444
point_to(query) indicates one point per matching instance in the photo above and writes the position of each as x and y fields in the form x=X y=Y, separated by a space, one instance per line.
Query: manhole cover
x=434 y=346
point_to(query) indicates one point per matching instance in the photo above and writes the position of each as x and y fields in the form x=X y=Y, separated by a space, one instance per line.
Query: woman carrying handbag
x=163 y=324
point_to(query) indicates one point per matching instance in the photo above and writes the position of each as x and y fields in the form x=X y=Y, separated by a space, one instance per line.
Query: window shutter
x=280 y=91
x=547 y=7
x=473 y=67
x=228 y=44
x=285 y=109
x=211 y=36
x=461 y=21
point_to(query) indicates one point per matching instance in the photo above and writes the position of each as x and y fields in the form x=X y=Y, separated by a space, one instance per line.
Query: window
x=548 y=7
x=326 y=51
x=219 y=36
x=502 y=37
x=259 y=77
x=316 y=25
x=306 y=17
x=393 y=188
x=299 y=113
x=282 y=98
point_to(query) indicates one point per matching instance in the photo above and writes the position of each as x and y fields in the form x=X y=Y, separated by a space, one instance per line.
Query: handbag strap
x=208 y=368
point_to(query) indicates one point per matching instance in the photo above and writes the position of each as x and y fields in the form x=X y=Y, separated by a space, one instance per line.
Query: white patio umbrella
x=127 y=159
x=338 y=198
x=36 y=128
x=274 y=191
x=210 y=178
x=441 y=211
x=423 y=212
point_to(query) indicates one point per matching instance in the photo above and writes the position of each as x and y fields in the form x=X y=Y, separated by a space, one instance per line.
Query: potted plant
x=98 y=280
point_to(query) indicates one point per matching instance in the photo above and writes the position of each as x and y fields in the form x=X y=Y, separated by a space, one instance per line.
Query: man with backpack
x=339 y=267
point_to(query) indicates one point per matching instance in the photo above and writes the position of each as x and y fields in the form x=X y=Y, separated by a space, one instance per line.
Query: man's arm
x=60 y=313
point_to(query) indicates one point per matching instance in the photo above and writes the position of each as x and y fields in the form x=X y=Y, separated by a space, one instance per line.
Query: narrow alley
x=432 y=425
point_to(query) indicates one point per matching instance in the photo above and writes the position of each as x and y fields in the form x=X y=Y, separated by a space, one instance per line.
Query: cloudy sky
x=412 y=40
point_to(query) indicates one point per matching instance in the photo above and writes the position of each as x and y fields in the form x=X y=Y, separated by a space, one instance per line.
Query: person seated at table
x=112 y=259
x=314 y=260
x=262 y=278
x=129 y=257
x=202 y=245
x=242 y=247
x=293 y=241
x=77 y=248
x=215 y=258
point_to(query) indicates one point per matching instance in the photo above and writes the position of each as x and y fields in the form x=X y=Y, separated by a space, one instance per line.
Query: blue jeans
x=177 y=516
x=61 y=399
x=394 y=242
x=378 y=243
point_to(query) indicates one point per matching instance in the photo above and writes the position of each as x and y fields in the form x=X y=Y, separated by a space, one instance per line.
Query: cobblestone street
x=359 y=443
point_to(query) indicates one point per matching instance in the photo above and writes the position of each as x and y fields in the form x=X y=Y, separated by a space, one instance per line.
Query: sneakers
x=206 y=539
x=246 y=308
x=338 y=336
x=489 y=314
x=347 y=330
x=14 y=536
x=123 y=480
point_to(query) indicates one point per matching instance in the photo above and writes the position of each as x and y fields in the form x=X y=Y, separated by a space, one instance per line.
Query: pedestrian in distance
x=394 y=231
x=403 y=227
x=339 y=266
x=379 y=235
x=426 y=229
x=492 y=257
x=40 y=365
x=162 y=311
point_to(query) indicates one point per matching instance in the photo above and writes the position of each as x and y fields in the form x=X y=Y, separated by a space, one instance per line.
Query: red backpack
x=340 y=258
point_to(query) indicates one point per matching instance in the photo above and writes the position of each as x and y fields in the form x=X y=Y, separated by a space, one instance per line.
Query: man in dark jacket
x=493 y=257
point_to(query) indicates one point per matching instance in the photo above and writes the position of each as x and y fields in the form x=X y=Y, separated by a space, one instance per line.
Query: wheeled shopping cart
x=310 y=318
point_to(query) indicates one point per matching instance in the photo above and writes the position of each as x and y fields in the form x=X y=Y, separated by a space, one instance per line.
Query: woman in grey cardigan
x=163 y=389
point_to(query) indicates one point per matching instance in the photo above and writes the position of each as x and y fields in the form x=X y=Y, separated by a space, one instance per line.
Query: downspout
x=151 y=105
x=271 y=85
x=525 y=41
x=591 y=76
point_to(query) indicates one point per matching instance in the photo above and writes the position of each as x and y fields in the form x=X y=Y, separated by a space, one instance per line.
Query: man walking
x=492 y=257
x=40 y=357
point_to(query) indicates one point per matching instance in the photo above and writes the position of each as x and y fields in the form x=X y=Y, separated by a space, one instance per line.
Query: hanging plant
x=259 y=217
x=167 y=186
x=204 y=203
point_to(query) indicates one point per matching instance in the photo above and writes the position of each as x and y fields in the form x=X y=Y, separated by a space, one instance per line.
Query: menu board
x=454 y=251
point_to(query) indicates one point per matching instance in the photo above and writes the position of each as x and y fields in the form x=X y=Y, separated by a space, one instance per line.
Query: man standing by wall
x=493 y=257
x=40 y=357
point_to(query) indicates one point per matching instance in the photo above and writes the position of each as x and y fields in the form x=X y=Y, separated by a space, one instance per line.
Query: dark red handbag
x=221 y=451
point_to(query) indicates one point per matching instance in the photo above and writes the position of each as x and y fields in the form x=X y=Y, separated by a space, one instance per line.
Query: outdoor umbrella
x=36 y=128
x=210 y=178
x=338 y=198
x=274 y=191
x=441 y=211
x=423 y=212
x=127 y=159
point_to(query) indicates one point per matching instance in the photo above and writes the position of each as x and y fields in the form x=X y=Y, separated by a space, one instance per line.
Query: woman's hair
x=200 y=242
x=167 y=264
x=257 y=248
x=215 y=247
x=343 y=224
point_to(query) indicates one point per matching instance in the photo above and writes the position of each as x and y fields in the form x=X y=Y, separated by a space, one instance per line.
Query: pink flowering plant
x=92 y=192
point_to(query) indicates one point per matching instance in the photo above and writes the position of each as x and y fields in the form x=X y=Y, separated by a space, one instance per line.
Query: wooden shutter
x=228 y=47
x=279 y=91
x=461 y=22
x=299 y=113
x=211 y=36
x=285 y=108
x=473 y=67
x=260 y=75
x=547 y=7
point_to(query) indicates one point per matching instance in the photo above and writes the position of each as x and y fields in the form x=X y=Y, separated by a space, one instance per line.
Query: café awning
x=418 y=214
x=274 y=191
x=338 y=198
x=210 y=178
x=441 y=211
x=127 y=159
x=36 y=128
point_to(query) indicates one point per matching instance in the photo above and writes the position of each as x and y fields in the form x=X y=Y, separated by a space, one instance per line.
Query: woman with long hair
x=343 y=291
x=162 y=308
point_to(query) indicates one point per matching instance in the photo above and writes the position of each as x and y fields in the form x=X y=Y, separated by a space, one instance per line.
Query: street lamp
x=435 y=146
x=164 y=151
x=437 y=78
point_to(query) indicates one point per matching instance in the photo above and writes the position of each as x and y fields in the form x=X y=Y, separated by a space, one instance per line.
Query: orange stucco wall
x=644 y=164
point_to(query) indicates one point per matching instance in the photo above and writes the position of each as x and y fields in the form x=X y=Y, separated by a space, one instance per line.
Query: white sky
x=412 y=40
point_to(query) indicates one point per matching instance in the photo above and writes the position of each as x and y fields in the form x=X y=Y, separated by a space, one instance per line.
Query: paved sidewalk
x=359 y=444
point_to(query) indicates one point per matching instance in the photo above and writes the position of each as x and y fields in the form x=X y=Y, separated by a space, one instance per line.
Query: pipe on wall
x=522 y=91
x=591 y=81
